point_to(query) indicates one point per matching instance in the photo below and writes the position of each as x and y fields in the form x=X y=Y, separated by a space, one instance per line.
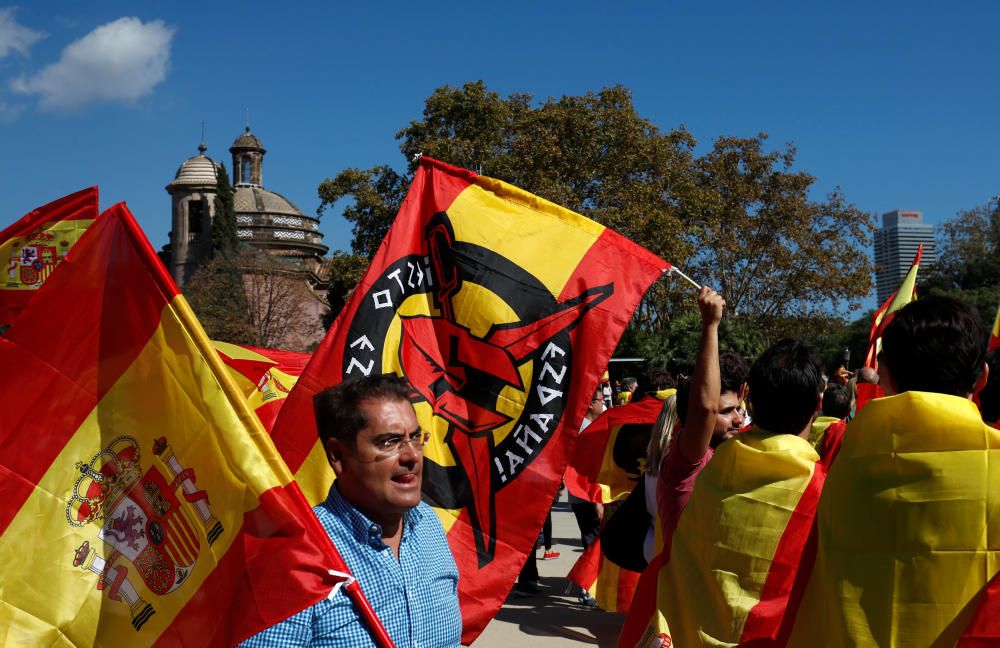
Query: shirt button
x=373 y=529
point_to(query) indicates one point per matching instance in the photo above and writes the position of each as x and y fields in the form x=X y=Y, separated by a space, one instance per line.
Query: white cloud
x=14 y=36
x=120 y=61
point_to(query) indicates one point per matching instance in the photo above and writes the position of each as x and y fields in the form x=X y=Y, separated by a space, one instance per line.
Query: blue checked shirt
x=416 y=597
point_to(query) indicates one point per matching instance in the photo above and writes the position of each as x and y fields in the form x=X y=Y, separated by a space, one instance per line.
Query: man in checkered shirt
x=392 y=542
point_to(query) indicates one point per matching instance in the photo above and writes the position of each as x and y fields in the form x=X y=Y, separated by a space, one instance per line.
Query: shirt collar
x=364 y=530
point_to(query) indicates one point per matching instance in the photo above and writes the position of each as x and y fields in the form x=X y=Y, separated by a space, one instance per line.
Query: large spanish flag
x=609 y=456
x=502 y=310
x=729 y=574
x=142 y=502
x=909 y=527
x=33 y=246
x=906 y=293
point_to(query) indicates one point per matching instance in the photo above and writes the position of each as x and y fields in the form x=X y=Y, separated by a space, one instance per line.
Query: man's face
x=382 y=487
x=596 y=406
x=729 y=419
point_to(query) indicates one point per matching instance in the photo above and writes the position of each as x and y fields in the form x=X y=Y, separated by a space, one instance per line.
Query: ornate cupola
x=193 y=192
x=248 y=160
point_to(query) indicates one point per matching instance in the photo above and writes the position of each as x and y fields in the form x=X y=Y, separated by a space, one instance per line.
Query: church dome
x=198 y=171
x=247 y=140
x=268 y=219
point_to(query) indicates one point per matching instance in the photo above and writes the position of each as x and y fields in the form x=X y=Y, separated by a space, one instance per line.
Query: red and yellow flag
x=609 y=456
x=264 y=376
x=908 y=527
x=502 y=310
x=610 y=585
x=32 y=247
x=729 y=574
x=142 y=502
x=906 y=293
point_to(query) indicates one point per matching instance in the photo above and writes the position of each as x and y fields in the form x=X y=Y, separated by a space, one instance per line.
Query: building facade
x=266 y=221
x=896 y=244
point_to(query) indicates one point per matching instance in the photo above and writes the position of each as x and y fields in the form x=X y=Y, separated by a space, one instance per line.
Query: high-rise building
x=896 y=244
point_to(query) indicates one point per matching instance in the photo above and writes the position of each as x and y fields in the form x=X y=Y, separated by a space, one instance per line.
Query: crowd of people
x=878 y=513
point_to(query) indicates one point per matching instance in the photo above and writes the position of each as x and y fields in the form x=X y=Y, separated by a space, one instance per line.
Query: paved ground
x=553 y=618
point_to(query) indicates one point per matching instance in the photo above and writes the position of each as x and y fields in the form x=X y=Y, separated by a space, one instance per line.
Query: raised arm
x=706 y=385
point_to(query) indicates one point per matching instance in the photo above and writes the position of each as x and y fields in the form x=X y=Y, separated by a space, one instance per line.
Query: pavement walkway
x=554 y=618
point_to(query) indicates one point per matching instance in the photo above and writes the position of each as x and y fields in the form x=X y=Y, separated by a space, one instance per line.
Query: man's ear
x=982 y=380
x=886 y=381
x=335 y=450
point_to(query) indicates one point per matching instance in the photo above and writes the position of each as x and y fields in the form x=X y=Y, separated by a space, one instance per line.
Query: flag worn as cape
x=906 y=293
x=143 y=504
x=609 y=456
x=264 y=376
x=908 y=527
x=730 y=571
x=502 y=309
x=610 y=585
x=33 y=246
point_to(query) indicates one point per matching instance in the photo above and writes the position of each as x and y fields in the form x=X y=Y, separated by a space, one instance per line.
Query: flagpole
x=674 y=269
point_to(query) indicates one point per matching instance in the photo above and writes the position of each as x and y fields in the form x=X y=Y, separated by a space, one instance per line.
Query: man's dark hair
x=784 y=385
x=733 y=370
x=661 y=379
x=989 y=398
x=837 y=401
x=936 y=344
x=338 y=408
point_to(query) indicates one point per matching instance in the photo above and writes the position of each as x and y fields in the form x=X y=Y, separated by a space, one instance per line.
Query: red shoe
x=550 y=555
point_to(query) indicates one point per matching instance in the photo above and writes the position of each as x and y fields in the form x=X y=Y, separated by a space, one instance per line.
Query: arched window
x=246 y=170
x=196 y=216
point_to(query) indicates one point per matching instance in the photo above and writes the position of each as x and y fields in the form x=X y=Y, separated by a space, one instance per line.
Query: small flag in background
x=609 y=456
x=502 y=310
x=995 y=333
x=264 y=376
x=906 y=293
x=142 y=503
x=32 y=247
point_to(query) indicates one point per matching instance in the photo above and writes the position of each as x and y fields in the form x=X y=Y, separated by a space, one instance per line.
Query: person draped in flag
x=723 y=575
x=709 y=406
x=907 y=520
x=392 y=542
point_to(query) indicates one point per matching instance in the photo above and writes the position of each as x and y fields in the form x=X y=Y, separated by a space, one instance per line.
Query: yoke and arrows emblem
x=460 y=374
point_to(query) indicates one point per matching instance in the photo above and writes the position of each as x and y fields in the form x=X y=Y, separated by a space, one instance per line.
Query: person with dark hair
x=629 y=385
x=907 y=516
x=836 y=401
x=391 y=541
x=721 y=534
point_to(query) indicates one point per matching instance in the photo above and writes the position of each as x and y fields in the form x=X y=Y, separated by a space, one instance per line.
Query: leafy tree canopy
x=739 y=217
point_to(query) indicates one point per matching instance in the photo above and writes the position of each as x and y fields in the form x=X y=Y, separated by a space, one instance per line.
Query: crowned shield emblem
x=153 y=523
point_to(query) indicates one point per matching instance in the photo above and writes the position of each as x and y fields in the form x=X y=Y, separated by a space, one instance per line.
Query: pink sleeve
x=673 y=488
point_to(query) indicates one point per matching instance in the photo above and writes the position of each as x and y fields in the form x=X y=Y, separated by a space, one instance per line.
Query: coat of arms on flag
x=142 y=521
x=502 y=310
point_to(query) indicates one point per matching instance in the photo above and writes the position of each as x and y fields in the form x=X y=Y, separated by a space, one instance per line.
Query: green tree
x=775 y=254
x=224 y=240
x=346 y=270
x=968 y=264
x=739 y=218
x=217 y=297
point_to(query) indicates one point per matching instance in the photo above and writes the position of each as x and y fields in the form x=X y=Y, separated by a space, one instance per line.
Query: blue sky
x=895 y=102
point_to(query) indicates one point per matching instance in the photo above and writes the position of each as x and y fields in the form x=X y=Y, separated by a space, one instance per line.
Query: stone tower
x=192 y=194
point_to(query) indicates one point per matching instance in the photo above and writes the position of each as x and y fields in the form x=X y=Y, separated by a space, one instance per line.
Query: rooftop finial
x=248 y=118
x=201 y=146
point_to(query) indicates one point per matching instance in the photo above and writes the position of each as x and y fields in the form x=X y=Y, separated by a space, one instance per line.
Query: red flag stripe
x=85 y=371
x=773 y=615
